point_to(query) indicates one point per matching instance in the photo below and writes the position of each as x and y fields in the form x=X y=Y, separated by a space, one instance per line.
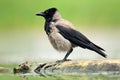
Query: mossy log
x=4 y=70
x=80 y=67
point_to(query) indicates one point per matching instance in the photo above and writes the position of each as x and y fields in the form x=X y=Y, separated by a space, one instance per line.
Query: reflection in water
x=36 y=77
x=82 y=77
x=97 y=77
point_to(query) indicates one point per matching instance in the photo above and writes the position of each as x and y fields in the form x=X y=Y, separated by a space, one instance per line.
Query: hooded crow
x=63 y=36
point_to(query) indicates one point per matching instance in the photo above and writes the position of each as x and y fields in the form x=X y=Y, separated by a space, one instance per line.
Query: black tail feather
x=97 y=49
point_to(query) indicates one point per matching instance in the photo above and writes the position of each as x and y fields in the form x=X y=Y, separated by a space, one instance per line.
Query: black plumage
x=79 y=39
x=63 y=36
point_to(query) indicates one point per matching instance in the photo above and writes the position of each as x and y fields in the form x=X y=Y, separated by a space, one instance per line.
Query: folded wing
x=79 y=39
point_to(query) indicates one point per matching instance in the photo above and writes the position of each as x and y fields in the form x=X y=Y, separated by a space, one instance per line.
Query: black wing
x=79 y=39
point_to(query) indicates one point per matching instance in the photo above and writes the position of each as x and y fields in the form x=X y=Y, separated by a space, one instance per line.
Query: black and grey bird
x=63 y=36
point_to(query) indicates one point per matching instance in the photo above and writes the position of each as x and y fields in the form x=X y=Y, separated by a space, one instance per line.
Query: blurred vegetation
x=21 y=13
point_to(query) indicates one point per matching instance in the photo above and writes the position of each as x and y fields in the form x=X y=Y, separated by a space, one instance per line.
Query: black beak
x=40 y=14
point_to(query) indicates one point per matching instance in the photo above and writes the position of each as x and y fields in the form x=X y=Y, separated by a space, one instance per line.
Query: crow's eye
x=46 y=12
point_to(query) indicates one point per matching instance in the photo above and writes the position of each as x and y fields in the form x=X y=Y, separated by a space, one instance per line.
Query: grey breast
x=57 y=40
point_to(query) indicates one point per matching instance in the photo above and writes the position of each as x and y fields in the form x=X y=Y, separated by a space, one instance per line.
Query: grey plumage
x=63 y=36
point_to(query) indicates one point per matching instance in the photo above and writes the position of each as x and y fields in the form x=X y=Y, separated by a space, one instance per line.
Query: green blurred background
x=22 y=36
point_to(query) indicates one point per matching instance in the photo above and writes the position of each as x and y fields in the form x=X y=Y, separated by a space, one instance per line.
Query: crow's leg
x=65 y=58
x=67 y=54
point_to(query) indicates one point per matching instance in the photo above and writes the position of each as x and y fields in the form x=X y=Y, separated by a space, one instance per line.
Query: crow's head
x=48 y=14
